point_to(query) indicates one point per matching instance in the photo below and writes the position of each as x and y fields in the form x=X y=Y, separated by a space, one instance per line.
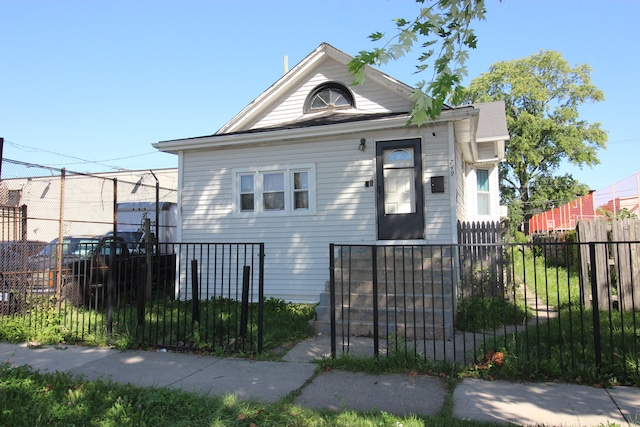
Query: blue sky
x=100 y=81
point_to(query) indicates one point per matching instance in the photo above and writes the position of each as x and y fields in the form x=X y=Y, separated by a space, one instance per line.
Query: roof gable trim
x=286 y=135
x=298 y=73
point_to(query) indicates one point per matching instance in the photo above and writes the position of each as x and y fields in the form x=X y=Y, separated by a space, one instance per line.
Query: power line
x=86 y=174
x=623 y=141
x=27 y=148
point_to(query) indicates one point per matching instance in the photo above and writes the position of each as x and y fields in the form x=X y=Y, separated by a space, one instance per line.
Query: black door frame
x=400 y=226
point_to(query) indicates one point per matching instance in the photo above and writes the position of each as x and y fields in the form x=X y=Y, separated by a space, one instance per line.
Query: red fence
x=623 y=195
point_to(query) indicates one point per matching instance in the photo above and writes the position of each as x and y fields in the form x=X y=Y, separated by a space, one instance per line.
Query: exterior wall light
x=363 y=144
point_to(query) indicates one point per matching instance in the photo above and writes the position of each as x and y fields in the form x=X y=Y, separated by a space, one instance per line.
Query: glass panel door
x=400 y=207
x=399 y=188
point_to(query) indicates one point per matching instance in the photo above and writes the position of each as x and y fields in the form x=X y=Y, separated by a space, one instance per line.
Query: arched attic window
x=328 y=97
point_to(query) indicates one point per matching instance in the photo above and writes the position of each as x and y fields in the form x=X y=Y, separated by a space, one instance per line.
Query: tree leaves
x=446 y=25
x=542 y=94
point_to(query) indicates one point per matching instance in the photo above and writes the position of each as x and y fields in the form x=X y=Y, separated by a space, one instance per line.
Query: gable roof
x=299 y=73
x=480 y=123
x=324 y=118
x=492 y=123
x=488 y=128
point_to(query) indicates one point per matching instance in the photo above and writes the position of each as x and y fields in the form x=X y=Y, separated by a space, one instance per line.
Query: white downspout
x=453 y=184
x=176 y=285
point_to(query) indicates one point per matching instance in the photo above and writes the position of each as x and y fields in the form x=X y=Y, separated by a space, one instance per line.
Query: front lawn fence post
x=332 y=298
x=374 y=279
x=140 y=294
x=195 y=299
x=261 y=299
x=244 y=315
x=597 y=345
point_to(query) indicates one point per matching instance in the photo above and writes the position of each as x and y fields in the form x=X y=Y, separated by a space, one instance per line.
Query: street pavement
x=548 y=404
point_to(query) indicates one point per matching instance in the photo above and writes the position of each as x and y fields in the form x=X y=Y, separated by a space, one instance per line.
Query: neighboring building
x=314 y=161
x=564 y=217
x=624 y=195
x=88 y=207
x=615 y=206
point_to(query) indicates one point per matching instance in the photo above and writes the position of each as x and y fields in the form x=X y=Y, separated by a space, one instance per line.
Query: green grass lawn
x=167 y=323
x=560 y=348
x=28 y=398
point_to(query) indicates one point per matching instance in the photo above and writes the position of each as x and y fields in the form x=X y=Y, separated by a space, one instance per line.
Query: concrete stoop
x=414 y=299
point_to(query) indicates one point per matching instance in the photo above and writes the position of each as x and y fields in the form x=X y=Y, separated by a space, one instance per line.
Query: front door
x=400 y=207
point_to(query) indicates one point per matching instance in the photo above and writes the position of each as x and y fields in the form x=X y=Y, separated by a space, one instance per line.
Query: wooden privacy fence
x=481 y=256
x=617 y=264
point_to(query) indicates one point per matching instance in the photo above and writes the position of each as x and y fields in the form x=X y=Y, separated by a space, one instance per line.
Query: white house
x=314 y=161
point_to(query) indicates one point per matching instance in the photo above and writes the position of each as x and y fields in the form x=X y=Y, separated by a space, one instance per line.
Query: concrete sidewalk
x=548 y=404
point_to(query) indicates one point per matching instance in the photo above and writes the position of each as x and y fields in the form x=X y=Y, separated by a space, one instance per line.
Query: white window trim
x=288 y=171
x=489 y=193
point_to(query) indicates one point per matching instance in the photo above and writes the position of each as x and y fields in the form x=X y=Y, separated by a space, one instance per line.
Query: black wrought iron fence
x=530 y=304
x=171 y=295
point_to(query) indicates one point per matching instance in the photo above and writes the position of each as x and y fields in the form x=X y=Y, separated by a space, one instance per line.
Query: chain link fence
x=617 y=201
x=618 y=197
x=42 y=208
x=67 y=274
x=60 y=202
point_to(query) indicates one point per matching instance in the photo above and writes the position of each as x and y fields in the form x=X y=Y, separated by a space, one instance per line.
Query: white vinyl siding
x=296 y=262
x=370 y=97
x=461 y=177
x=297 y=246
x=486 y=151
x=435 y=154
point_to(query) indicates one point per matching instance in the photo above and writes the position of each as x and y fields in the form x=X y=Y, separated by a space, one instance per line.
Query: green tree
x=542 y=94
x=545 y=193
x=443 y=30
x=548 y=191
x=609 y=215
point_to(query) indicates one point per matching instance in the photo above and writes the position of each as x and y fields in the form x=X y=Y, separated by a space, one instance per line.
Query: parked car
x=23 y=247
x=78 y=269
x=14 y=257
x=10 y=260
x=44 y=265
x=134 y=239
x=85 y=279
x=71 y=246
x=81 y=265
x=15 y=253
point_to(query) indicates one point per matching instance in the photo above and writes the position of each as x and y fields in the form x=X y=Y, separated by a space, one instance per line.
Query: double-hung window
x=483 y=193
x=271 y=190
x=247 y=191
x=300 y=189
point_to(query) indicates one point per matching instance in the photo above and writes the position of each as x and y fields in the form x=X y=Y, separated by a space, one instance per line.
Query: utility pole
x=1 y=155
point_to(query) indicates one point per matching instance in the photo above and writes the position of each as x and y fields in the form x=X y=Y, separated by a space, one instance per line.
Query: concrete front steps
x=415 y=298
